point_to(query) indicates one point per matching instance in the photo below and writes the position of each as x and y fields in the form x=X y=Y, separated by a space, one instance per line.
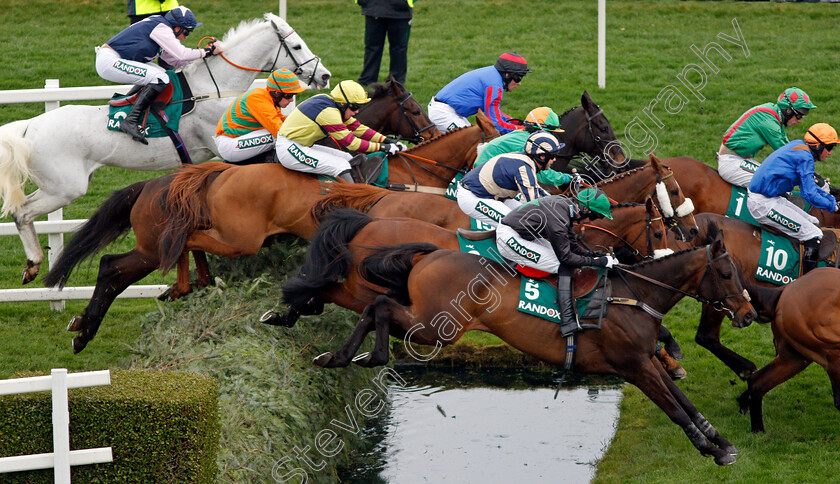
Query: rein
x=417 y=138
x=717 y=304
x=646 y=230
x=283 y=45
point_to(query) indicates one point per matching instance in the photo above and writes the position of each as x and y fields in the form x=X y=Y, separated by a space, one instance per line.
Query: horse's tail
x=389 y=267
x=328 y=259
x=185 y=208
x=15 y=151
x=347 y=195
x=111 y=219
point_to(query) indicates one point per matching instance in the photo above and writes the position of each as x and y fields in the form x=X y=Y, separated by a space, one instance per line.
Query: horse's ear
x=586 y=101
x=649 y=207
x=654 y=161
x=274 y=26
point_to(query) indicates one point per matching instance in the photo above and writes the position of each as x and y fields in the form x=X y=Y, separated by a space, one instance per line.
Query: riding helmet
x=284 y=80
x=513 y=63
x=184 y=17
x=595 y=200
x=349 y=92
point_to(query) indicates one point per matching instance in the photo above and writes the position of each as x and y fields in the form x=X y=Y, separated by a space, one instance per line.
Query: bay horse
x=214 y=207
x=422 y=280
x=60 y=149
x=393 y=110
x=806 y=328
x=712 y=194
x=629 y=186
x=347 y=236
x=745 y=247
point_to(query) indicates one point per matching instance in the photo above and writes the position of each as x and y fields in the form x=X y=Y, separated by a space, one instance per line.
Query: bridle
x=717 y=304
x=670 y=215
x=417 y=136
x=647 y=231
x=283 y=45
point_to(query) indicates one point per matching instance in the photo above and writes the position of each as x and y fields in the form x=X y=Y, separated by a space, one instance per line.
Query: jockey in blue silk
x=127 y=59
x=479 y=89
x=785 y=168
x=487 y=193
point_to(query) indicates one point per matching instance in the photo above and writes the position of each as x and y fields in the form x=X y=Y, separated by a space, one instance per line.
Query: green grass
x=648 y=45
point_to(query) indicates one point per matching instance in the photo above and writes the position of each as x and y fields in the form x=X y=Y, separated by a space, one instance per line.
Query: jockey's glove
x=610 y=261
x=211 y=49
x=393 y=148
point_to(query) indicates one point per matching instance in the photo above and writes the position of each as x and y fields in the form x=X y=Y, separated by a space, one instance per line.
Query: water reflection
x=488 y=427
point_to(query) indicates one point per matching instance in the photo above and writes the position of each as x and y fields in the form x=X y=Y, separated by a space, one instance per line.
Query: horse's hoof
x=731 y=449
x=323 y=359
x=725 y=460
x=30 y=272
x=270 y=317
x=75 y=324
x=678 y=373
x=361 y=356
x=78 y=345
x=164 y=296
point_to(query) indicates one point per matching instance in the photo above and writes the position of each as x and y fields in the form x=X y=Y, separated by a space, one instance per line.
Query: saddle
x=370 y=169
x=163 y=98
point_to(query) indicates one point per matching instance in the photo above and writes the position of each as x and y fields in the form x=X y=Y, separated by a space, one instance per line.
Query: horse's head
x=293 y=50
x=396 y=109
x=488 y=129
x=636 y=227
x=676 y=208
x=722 y=284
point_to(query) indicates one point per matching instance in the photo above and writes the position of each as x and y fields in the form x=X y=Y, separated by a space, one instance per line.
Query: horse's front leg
x=708 y=336
x=652 y=383
x=202 y=269
x=182 y=281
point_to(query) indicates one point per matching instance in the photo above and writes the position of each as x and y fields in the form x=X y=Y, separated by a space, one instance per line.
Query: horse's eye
x=604 y=130
x=726 y=275
x=657 y=235
x=675 y=192
x=297 y=47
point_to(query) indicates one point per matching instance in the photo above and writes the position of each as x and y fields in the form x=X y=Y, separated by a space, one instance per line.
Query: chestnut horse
x=347 y=236
x=214 y=207
x=422 y=280
x=711 y=193
x=806 y=328
x=630 y=186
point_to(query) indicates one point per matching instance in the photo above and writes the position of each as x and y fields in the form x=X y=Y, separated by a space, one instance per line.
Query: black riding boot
x=810 y=256
x=569 y=324
x=131 y=124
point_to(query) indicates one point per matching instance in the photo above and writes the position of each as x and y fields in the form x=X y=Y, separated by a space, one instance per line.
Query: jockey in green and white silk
x=758 y=127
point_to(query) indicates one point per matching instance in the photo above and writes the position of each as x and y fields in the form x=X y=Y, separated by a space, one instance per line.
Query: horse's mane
x=568 y=111
x=646 y=263
x=242 y=32
x=445 y=133
x=347 y=195
x=380 y=89
x=621 y=175
x=626 y=205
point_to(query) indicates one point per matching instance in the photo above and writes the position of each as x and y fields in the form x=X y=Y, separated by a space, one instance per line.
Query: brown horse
x=394 y=108
x=744 y=244
x=347 y=236
x=806 y=328
x=630 y=186
x=219 y=208
x=435 y=295
x=710 y=193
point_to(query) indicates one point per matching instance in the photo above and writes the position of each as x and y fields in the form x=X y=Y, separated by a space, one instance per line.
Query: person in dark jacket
x=127 y=59
x=391 y=18
x=539 y=234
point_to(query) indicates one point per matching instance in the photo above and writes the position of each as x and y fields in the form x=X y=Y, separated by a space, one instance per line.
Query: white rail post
x=61 y=426
x=55 y=241
x=602 y=44
x=282 y=9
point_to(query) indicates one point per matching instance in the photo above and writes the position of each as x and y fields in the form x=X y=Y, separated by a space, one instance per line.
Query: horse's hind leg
x=708 y=336
x=182 y=281
x=386 y=310
x=116 y=273
x=651 y=379
x=787 y=363
x=202 y=269
x=833 y=370
x=344 y=356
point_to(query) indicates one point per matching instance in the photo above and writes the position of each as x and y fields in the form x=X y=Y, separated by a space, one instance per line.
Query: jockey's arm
x=492 y=101
x=172 y=51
